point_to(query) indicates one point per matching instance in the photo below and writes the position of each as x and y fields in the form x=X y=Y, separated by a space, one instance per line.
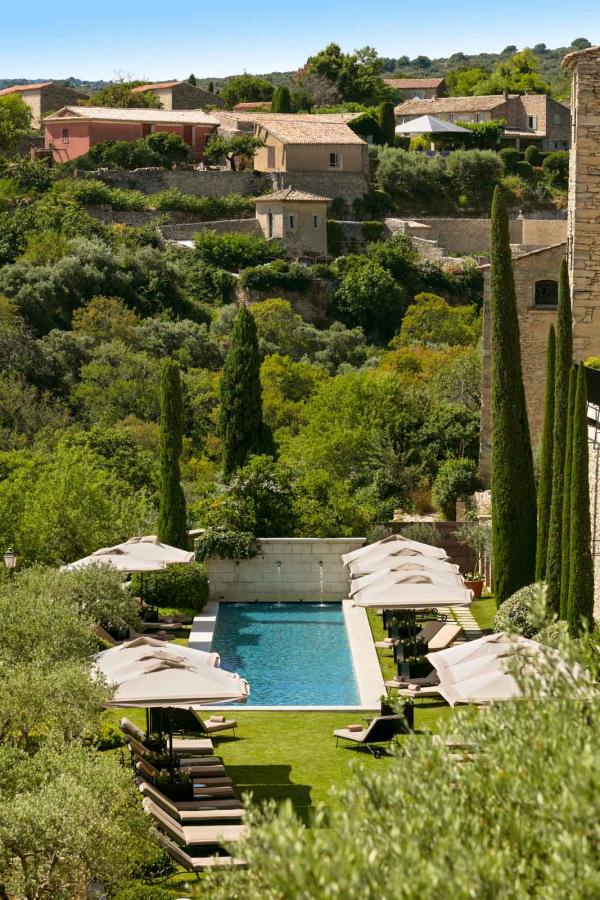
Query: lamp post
x=10 y=560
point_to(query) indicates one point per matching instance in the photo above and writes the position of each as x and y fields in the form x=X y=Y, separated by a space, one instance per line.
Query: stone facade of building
x=531 y=271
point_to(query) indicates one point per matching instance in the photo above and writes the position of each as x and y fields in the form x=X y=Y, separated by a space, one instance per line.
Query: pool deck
x=369 y=679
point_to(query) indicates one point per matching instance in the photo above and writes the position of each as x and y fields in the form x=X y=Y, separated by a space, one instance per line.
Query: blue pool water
x=293 y=654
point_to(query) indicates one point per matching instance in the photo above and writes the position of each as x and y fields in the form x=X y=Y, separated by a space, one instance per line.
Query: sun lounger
x=201 y=783
x=186 y=746
x=381 y=730
x=429 y=631
x=407 y=683
x=386 y=643
x=196 y=810
x=217 y=723
x=417 y=692
x=202 y=762
x=444 y=637
x=194 y=835
x=191 y=862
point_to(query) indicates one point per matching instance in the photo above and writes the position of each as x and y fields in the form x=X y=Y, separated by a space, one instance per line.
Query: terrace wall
x=297 y=577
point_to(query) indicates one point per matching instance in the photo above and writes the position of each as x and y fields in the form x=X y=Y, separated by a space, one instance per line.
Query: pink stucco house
x=72 y=130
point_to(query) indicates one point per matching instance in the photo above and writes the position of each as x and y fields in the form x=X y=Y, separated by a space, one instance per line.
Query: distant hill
x=421 y=66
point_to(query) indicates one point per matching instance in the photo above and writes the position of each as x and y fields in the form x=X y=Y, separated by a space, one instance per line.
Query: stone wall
x=287 y=569
x=459 y=554
x=185 y=231
x=346 y=186
x=466 y=237
x=200 y=183
x=313 y=304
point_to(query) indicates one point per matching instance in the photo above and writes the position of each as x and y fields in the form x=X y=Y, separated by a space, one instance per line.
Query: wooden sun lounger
x=140 y=750
x=381 y=730
x=194 y=863
x=194 y=835
x=203 y=778
x=444 y=637
x=196 y=810
x=186 y=746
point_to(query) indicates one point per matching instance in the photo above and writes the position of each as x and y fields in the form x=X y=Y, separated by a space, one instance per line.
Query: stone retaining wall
x=200 y=183
x=288 y=569
x=471 y=236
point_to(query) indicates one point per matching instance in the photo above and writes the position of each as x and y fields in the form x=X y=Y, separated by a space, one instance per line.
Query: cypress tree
x=211 y=87
x=172 y=519
x=565 y=560
x=192 y=79
x=387 y=122
x=241 y=424
x=513 y=486
x=545 y=488
x=581 y=571
x=281 y=100
x=564 y=362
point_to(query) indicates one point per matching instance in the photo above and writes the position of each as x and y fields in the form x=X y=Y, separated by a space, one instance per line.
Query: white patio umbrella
x=430 y=125
x=369 y=567
x=165 y=683
x=115 y=559
x=415 y=597
x=150 y=548
x=489 y=646
x=127 y=660
x=379 y=581
x=391 y=545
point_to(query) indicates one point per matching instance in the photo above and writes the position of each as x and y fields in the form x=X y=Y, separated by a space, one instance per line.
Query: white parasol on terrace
x=414 y=596
x=114 y=558
x=130 y=659
x=378 y=581
x=153 y=550
x=430 y=125
x=394 y=544
x=168 y=683
x=369 y=567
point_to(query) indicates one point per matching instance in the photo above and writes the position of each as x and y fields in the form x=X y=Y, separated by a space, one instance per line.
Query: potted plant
x=474 y=582
x=176 y=786
x=387 y=707
x=394 y=627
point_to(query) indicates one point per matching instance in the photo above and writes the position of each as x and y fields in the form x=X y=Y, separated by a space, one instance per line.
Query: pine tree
x=281 y=100
x=513 y=486
x=387 y=122
x=564 y=362
x=545 y=488
x=241 y=425
x=565 y=558
x=581 y=575
x=172 y=519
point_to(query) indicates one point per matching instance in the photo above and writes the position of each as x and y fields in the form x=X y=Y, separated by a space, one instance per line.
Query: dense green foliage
x=564 y=362
x=281 y=100
x=182 y=586
x=565 y=554
x=354 y=77
x=515 y=614
x=172 y=519
x=121 y=96
x=545 y=485
x=246 y=88
x=580 y=606
x=159 y=149
x=513 y=487
x=225 y=544
x=455 y=478
x=230 y=148
x=15 y=121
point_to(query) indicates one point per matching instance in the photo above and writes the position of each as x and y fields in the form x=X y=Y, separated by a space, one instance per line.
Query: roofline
x=572 y=58
x=54 y=117
x=268 y=199
x=516 y=259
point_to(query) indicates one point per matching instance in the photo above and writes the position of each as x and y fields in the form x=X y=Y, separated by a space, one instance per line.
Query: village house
x=44 y=98
x=297 y=218
x=180 y=95
x=251 y=105
x=71 y=131
x=530 y=118
x=416 y=88
x=302 y=144
x=244 y=120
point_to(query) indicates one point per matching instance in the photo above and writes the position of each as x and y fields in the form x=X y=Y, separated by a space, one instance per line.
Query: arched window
x=546 y=293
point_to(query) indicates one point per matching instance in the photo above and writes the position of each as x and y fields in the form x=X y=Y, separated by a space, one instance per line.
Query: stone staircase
x=467 y=621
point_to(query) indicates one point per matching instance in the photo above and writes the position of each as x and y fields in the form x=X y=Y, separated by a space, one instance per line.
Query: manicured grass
x=484 y=611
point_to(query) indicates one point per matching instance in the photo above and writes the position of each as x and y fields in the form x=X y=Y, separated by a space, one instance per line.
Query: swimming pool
x=293 y=654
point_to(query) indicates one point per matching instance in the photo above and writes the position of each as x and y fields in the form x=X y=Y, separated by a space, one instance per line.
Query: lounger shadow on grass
x=272 y=783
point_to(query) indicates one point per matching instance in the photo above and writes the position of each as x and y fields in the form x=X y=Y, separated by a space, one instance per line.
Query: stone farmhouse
x=305 y=146
x=44 y=98
x=72 y=130
x=297 y=218
x=417 y=88
x=180 y=95
x=531 y=118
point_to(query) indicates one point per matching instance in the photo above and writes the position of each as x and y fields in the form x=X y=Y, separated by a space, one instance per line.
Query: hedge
x=184 y=586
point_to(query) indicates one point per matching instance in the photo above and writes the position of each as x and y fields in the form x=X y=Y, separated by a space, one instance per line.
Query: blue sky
x=158 y=40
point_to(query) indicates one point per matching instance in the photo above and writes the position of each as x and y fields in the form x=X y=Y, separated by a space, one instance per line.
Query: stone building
x=297 y=218
x=536 y=274
x=180 y=95
x=300 y=145
x=44 y=98
x=416 y=88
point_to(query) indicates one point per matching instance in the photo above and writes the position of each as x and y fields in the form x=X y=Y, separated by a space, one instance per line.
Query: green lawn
x=484 y=611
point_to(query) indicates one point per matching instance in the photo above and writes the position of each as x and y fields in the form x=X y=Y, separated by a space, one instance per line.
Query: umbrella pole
x=147 y=722
x=171 y=758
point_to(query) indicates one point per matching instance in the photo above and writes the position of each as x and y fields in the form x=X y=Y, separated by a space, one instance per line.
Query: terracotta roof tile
x=23 y=88
x=408 y=83
x=435 y=105
x=158 y=116
x=302 y=131
x=291 y=193
x=142 y=88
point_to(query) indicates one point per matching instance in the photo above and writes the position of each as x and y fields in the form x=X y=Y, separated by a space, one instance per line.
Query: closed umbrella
x=114 y=558
x=402 y=563
x=124 y=661
x=391 y=545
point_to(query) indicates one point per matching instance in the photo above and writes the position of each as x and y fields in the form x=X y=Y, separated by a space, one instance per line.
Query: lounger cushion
x=354 y=728
x=350 y=735
x=192 y=745
x=218 y=719
x=444 y=637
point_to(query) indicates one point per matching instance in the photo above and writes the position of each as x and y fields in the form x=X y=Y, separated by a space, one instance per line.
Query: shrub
x=454 y=478
x=556 y=168
x=367 y=126
x=184 y=586
x=159 y=149
x=236 y=251
x=226 y=544
x=108 y=736
x=592 y=362
x=138 y=891
x=206 y=209
x=532 y=155
x=278 y=274
x=524 y=170
x=424 y=532
x=509 y=158
x=373 y=231
x=335 y=238
x=514 y=614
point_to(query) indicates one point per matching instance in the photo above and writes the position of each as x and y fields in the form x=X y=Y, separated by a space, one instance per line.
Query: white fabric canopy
x=381 y=581
x=116 y=559
x=150 y=548
x=184 y=686
x=127 y=660
x=430 y=125
x=416 y=596
x=362 y=568
x=490 y=645
x=391 y=545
